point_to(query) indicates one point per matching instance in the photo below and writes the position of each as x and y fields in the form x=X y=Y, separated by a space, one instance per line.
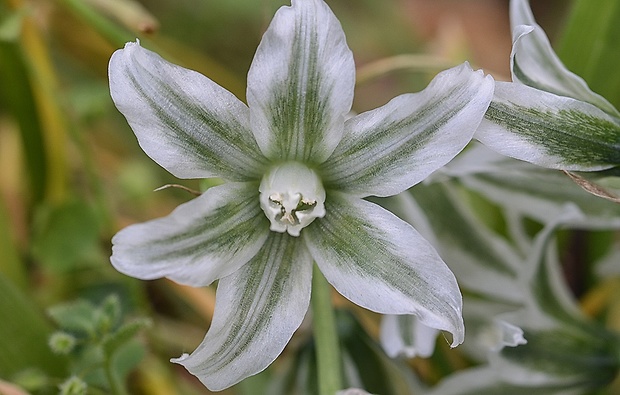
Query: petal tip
x=180 y=359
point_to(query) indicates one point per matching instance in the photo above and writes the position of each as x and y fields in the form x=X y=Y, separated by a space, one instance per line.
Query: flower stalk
x=325 y=336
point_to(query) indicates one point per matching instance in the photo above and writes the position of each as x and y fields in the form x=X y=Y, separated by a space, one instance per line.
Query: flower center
x=292 y=196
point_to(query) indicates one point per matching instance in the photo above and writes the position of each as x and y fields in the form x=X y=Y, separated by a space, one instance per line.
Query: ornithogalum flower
x=548 y=115
x=296 y=174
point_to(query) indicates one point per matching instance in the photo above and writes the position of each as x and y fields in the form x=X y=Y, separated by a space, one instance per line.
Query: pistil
x=292 y=196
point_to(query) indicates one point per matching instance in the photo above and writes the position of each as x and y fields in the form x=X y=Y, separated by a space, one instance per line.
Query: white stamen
x=292 y=196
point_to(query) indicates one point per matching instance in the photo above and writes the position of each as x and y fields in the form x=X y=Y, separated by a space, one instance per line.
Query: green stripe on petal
x=185 y=122
x=561 y=357
x=300 y=84
x=483 y=262
x=530 y=190
x=534 y=63
x=387 y=150
x=381 y=263
x=549 y=130
x=199 y=242
x=257 y=310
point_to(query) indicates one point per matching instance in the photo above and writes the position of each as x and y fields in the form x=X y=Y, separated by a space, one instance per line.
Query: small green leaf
x=67 y=236
x=113 y=342
x=75 y=317
x=109 y=314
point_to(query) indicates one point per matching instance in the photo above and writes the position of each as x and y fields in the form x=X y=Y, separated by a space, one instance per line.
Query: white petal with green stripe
x=530 y=190
x=387 y=150
x=563 y=347
x=534 y=63
x=381 y=263
x=549 y=130
x=257 y=310
x=404 y=335
x=300 y=84
x=484 y=262
x=199 y=242
x=485 y=380
x=184 y=121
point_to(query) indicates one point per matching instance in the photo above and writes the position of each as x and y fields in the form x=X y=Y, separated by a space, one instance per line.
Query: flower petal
x=300 y=84
x=199 y=242
x=387 y=150
x=529 y=190
x=405 y=335
x=185 y=122
x=257 y=310
x=484 y=262
x=381 y=263
x=485 y=380
x=534 y=63
x=549 y=130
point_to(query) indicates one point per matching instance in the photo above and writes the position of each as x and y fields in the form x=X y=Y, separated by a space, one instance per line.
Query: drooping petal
x=300 y=84
x=531 y=191
x=257 y=310
x=549 y=130
x=381 y=263
x=405 y=335
x=534 y=63
x=485 y=263
x=184 y=121
x=484 y=380
x=199 y=242
x=387 y=150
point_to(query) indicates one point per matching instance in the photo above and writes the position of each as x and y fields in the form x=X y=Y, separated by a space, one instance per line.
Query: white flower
x=404 y=335
x=548 y=115
x=296 y=174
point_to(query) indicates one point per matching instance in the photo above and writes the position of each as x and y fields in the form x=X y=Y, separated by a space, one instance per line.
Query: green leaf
x=590 y=46
x=24 y=335
x=66 y=236
x=10 y=263
x=17 y=95
x=78 y=317
x=115 y=341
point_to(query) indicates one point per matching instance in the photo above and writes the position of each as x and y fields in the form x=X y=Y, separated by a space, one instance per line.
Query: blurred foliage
x=589 y=46
x=72 y=174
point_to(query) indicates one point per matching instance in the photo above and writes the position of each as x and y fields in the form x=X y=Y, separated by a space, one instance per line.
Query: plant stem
x=325 y=336
x=116 y=386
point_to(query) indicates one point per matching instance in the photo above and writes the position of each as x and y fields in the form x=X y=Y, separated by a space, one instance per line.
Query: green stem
x=325 y=336
x=116 y=386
